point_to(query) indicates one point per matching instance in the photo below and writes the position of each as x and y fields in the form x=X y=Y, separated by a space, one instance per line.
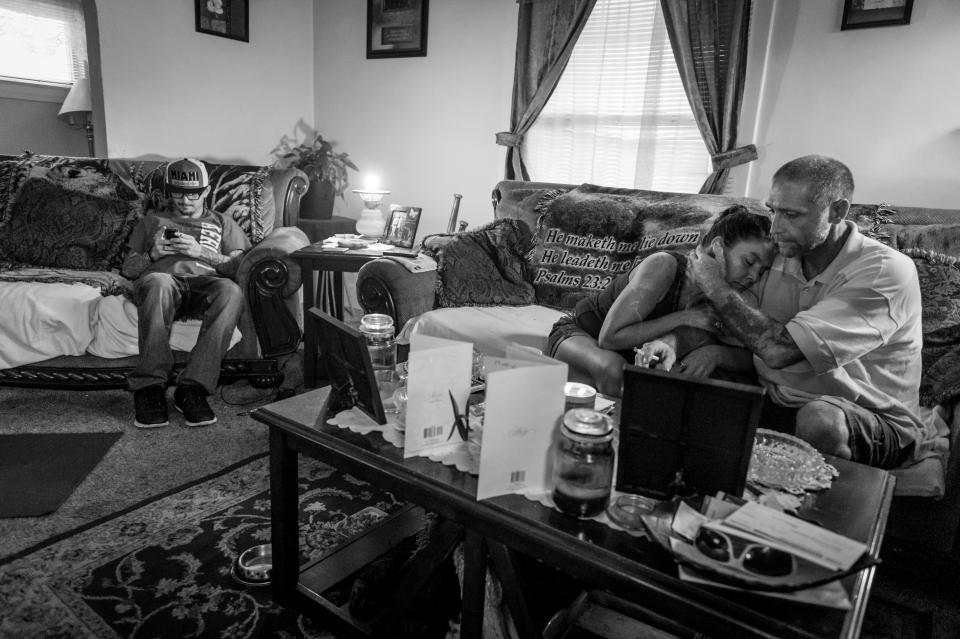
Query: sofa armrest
x=386 y=286
x=289 y=185
x=271 y=282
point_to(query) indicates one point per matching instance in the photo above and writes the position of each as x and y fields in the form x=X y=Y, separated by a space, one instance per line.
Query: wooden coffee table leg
x=283 y=518
x=474 y=582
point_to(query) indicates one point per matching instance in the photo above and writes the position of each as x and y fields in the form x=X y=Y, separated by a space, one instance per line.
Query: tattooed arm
x=767 y=338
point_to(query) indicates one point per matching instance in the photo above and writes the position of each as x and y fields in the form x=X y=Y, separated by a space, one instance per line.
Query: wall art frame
x=396 y=28
x=401 y=229
x=859 y=14
x=224 y=18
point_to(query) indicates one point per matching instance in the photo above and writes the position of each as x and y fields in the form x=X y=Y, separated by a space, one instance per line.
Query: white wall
x=424 y=125
x=171 y=91
x=884 y=100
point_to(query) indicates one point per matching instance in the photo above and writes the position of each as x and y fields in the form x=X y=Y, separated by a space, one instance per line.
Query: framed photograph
x=396 y=28
x=344 y=352
x=224 y=18
x=858 y=14
x=401 y=228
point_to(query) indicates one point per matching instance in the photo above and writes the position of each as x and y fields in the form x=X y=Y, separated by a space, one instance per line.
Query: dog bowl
x=254 y=564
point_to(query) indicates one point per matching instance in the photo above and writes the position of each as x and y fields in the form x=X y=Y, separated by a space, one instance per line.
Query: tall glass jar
x=378 y=331
x=583 y=463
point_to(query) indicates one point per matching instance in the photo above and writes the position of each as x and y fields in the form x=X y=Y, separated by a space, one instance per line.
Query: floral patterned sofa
x=65 y=317
x=499 y=283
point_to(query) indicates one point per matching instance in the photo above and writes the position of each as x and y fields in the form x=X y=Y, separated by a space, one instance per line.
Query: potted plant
x=326 y=169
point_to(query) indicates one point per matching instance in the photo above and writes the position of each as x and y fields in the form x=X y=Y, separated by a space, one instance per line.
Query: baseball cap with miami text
x=187 y=176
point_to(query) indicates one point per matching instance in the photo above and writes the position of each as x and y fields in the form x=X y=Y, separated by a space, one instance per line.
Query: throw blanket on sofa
x=587 y=236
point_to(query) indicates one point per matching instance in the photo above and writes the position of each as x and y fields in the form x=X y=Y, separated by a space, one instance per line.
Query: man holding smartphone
x=178 y=257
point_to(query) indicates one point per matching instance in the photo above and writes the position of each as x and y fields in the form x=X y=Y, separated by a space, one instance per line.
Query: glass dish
x=788 y=463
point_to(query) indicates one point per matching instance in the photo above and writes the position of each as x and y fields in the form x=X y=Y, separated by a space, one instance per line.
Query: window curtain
x=546 y=33
x=709 y=41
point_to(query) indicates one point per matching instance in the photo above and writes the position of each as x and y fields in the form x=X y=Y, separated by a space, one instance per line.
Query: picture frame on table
x=401 y=227
x=858 y=14
x=396 y=28
x=224 y=18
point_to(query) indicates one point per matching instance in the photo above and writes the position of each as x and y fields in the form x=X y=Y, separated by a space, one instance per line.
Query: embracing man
x=837 y=336
x=177 y=257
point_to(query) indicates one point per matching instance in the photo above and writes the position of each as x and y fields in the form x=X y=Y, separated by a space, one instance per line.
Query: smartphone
x=169 y=234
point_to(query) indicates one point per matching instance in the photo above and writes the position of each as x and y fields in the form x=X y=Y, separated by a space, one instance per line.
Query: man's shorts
x=872 y=441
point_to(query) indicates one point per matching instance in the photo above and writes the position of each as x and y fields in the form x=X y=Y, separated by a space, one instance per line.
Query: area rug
x=163 y=569
x=39 y=471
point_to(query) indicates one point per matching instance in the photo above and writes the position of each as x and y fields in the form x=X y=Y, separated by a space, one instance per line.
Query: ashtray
x=626 y=510
x=253 y=566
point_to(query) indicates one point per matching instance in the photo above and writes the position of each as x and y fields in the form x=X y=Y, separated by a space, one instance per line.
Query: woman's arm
x=625 y=325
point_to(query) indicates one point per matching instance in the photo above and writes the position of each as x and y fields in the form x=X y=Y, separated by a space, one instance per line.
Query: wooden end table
x=494 y=530
x=323 y=271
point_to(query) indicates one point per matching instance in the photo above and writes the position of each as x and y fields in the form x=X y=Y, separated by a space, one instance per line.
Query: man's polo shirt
x=858 y=326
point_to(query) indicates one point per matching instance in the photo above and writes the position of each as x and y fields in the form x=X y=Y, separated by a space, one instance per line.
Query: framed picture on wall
x=224 y=18
x=858 y=14
x=396 y=28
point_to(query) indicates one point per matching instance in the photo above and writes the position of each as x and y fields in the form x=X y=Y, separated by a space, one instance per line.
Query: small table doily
x=458 y=454
x=788 y=463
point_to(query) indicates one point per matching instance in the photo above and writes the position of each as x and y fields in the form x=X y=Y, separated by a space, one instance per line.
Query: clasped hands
x=180 y=244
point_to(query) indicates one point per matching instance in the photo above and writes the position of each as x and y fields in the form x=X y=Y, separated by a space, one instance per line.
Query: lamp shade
x=77 y=101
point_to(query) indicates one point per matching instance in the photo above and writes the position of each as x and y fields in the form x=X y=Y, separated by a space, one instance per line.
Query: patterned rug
x=163 y=569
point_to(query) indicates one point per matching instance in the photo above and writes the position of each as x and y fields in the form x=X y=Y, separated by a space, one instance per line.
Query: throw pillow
x=940 y=298
x=49 y=225
x=482 y=267
x=587 y=236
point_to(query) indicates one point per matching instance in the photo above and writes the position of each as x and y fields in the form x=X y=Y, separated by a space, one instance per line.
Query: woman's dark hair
x=737 y=223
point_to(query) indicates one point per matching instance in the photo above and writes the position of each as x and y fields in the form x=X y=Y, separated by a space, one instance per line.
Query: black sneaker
x=150 y=407
x=192 y=402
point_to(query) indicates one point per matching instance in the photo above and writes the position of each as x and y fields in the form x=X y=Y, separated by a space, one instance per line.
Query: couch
x=508 y=282
x=66 y=319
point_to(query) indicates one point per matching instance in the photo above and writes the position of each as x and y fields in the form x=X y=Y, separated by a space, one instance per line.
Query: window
x=619 y=115
x=42 y=41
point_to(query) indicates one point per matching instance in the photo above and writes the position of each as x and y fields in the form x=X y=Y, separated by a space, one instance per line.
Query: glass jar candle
x=583 y=463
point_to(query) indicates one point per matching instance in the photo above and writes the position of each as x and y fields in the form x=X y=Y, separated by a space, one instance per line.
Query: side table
x=317 y=264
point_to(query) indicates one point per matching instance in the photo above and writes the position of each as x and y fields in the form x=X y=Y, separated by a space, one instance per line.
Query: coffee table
x=494 y=530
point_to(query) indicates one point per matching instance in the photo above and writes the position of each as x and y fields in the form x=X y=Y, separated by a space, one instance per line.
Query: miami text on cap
x=187 y=175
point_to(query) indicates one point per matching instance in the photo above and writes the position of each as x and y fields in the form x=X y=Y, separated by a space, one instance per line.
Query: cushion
x=41 y=321
x=940 y=298
x=938 y=238
x=482 y=267
x=49 y=225
x=490 y=328
x=587 y=236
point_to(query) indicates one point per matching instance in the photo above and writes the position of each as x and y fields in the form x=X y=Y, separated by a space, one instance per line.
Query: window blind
x=619 y=115
x=42 y=41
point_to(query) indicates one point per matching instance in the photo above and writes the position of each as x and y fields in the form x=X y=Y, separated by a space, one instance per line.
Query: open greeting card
x=524 y=404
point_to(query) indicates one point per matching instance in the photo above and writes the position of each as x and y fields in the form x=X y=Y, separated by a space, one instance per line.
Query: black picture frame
x=396 y=28
x=401 y=228
x=681 y=434
x=859 y=14
x=343 y=351
x=224 y=18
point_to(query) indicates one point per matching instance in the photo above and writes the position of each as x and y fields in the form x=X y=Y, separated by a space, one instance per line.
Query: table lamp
x=371 y=221
x=77 y=109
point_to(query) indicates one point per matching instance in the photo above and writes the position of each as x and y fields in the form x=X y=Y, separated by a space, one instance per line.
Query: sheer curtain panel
x=42 y=41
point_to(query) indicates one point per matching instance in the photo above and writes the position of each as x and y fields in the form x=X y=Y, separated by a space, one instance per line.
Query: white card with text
x=438 y=369
x=524 y=404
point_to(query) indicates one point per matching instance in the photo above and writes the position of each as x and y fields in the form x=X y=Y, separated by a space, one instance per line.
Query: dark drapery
x=546 y=33
x=709 y=41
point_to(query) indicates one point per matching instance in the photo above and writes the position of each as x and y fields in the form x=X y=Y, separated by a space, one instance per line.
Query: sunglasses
x=192 y=197
x=751 y=557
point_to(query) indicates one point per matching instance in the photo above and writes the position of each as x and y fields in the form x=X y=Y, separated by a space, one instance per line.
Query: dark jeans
x=162 y=298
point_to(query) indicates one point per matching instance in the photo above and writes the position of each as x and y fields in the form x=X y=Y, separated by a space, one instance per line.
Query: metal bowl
x=254 y=564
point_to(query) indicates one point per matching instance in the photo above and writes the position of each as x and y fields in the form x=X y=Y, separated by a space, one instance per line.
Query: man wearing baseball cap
x=177 y=257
